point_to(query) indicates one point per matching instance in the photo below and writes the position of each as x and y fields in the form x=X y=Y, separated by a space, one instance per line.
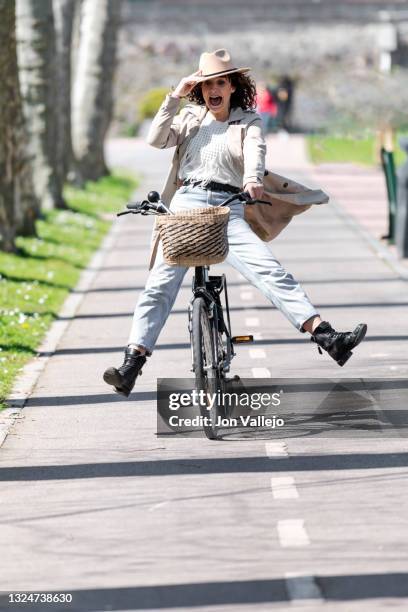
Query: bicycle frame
x=211 y=288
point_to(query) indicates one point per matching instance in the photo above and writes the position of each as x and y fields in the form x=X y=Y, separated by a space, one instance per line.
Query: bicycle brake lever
x=124 y=212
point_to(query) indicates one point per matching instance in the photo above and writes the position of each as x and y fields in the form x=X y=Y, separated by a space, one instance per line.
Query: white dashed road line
x=252 y=322
x=257 y=353
x=276 y=449
x=246 y=296
x=303 y=589
x=292 y=533
x=261 y=373
x=283 y=487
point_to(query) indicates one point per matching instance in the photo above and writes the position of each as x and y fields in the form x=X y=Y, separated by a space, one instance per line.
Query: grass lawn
x=333 y=149
x=35 y=281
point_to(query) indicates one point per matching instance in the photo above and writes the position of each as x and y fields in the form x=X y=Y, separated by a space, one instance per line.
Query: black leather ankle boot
x=338 y=344
x=124 y=378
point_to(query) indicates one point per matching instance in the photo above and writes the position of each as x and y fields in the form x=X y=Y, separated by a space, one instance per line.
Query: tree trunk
x=36 y=61
x=18 y=206
x=64 y=11
x=92 y=92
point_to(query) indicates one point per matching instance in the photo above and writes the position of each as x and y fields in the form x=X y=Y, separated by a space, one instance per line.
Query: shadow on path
x=218 y=465
x=187 y=596
x=100 y=398
x=186 y=345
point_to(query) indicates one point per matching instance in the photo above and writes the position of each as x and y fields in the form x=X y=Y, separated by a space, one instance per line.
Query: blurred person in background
x=220 y=150
x=267 y=106
x=284 y=98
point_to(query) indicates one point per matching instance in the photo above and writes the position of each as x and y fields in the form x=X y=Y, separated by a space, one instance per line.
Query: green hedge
x=151 y=102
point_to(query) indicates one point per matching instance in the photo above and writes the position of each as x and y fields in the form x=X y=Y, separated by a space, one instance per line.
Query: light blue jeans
x=247 y=253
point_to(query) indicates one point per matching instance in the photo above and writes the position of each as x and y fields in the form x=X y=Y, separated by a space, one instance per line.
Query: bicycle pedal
x=242 y=339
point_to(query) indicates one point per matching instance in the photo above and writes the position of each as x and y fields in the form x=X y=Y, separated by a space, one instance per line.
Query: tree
x=64 y=12
x=18 y=206
x=92 y=100
x=36 y=62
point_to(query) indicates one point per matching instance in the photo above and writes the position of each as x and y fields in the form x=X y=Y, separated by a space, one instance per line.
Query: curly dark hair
x=243 y=96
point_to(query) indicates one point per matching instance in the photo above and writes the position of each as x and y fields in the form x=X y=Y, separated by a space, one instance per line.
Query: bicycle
x=212 y=344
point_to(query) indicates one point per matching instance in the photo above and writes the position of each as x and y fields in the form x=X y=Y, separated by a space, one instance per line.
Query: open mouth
x=215 y=100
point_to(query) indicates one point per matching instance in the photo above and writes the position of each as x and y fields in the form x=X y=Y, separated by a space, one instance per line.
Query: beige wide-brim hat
x=215 y=64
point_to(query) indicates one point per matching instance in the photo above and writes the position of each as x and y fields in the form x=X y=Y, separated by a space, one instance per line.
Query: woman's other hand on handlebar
x=255 y=190
x=186 y=85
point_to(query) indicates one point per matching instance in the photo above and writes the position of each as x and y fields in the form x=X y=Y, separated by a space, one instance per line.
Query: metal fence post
x=402 y=209
x=387 y=160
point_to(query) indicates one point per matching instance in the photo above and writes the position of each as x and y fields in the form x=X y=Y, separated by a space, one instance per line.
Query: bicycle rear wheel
x=204 y=360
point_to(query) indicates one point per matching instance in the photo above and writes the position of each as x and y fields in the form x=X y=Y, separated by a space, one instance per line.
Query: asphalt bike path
x=94 y=504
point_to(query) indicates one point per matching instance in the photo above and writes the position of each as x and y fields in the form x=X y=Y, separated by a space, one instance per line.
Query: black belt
x=213 y=186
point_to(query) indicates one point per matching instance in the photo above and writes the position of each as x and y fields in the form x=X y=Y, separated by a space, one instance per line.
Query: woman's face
x=217 y=93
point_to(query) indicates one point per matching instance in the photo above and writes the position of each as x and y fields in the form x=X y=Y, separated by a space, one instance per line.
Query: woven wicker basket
x=197 y=237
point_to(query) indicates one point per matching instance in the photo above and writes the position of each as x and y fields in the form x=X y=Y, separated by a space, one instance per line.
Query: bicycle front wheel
x=204 y=362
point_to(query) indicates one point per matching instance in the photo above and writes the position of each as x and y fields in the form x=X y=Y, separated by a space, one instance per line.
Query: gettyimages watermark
x=284 y=408
x=208 y=402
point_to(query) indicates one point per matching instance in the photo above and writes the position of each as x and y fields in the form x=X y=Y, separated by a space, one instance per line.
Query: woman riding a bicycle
x=220 y=150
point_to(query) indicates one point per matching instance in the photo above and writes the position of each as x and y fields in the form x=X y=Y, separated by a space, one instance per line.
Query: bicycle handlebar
x=158 y=207
x=144 y=208
x=243 y=196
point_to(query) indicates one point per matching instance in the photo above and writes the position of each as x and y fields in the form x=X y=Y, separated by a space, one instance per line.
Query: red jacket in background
x=266 y=102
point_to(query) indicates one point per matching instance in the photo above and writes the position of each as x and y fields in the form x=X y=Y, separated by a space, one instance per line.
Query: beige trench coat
x=246 y=147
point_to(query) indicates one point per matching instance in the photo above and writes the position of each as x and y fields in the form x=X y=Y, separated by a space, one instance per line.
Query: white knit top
x=206 y=156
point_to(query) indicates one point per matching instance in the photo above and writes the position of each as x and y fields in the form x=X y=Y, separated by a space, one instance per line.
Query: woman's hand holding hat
x=187 y=84
x=217 y=63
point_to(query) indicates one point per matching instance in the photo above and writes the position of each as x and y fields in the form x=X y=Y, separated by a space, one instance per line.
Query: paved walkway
x=94 y=504
x=360 y=190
